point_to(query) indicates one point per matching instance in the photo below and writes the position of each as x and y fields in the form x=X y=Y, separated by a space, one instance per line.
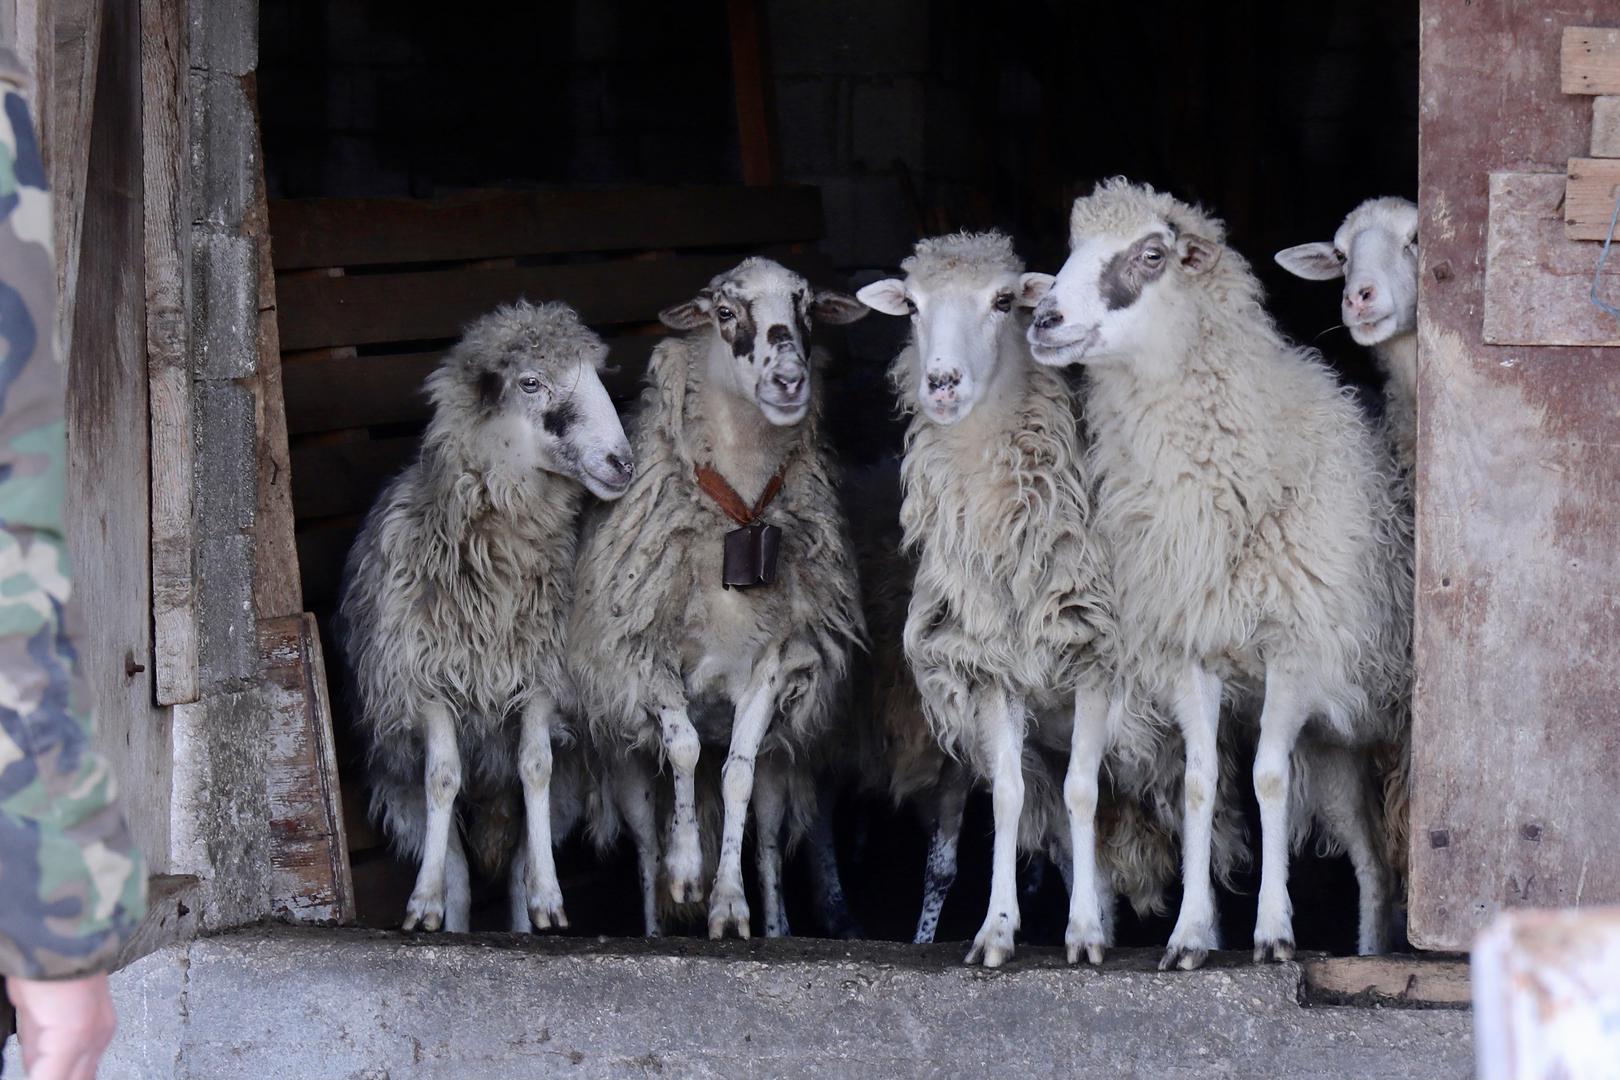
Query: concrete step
x=280 y=1001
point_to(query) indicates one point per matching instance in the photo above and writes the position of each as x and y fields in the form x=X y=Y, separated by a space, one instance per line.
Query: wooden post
x=751 y=78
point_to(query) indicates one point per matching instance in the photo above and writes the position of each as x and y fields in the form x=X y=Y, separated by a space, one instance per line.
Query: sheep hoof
x=1184 y=958
x=1083 y=941
x=686 y=892
x=1279 y=949
x=994 y=944
x=728 y=911
x=424 y=912
x=544 y=916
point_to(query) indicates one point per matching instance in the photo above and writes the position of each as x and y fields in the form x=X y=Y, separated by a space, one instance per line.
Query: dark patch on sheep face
x=559 y=418
x=778 y=335
x=491 y=385
x=1130 y=271
x=738 y=330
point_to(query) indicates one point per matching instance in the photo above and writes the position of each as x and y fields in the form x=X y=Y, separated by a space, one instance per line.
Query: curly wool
x=1243 y=494
x=648 y=561
x=457 y=589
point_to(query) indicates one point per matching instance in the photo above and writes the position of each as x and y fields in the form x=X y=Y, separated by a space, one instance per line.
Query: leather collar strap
x=726 y=498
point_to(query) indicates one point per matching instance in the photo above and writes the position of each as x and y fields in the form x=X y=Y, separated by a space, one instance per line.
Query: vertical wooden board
x=1515 y=796
x=1606 y=126
x=309 y=877
x=75 y=29
x=166 y=126
x=108 y=518
x=276 y=587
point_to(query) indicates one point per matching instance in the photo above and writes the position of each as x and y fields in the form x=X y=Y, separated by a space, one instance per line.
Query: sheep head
x=761 y=313
x=1132 y=253
x=1375 y=251
x=523 y=389
x=960 y=292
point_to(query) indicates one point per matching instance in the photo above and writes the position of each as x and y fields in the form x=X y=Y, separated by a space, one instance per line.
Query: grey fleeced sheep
x=455 y=597
x=667 y=660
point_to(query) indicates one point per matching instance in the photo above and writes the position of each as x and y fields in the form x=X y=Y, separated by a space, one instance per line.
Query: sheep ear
x=1313 y=262
x=690 y=315
x=836 y=308
x=1197 y=255
x=887 y=296
x=1031 y=287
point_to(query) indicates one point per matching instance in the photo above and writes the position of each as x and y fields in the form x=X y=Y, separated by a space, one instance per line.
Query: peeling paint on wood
x=1537 y=282
x=1516 y=723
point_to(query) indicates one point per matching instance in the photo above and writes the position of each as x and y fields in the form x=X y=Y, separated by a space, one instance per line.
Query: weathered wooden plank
x=1547 y=995
x=329 y=393
x=1589 y=196
x=1392 y=980
x=166 y=129
x=481 y=225
x=309 y=877
x=1515 y=798
x=75 y=27
x=1537 y=283
x=1606 y=126
x=369 y=309
x=1590 y=60
x=276 y=588
x=174 y=904
x=108 y=519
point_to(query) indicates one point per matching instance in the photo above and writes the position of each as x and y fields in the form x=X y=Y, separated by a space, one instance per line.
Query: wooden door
x=1516 y=789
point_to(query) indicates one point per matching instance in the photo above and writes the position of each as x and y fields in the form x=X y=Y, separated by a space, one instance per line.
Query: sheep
x=454 y=601
x=1010 y=631
x=1375 y=252
x=1244 y=502
x=667 y=657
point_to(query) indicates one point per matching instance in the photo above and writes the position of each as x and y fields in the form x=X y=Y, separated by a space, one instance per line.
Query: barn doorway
x=907 y=118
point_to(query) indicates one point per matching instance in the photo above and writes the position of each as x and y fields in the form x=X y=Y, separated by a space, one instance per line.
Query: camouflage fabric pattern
x=72 y=884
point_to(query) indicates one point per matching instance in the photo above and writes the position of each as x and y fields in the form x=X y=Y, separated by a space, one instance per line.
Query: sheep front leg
x=441 y=785
x=1093 y=713
x=545 y=900
x=1002 y=721
x=728 y=908
x=683 y=862
x=770 y=810
x=1281 y=718
x=633 y=790
x=1197 y=710
x=940 y=873
x=1350 y=809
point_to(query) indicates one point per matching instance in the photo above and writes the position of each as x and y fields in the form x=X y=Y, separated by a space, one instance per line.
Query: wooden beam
x=1589 y=197
x=751 y=85
x=1590 y=60
x=1387 y=980
x=166 y=125
x=491 y=224
x=76 y=46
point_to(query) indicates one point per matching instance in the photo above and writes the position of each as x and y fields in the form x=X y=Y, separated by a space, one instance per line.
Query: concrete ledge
x=359 y=1005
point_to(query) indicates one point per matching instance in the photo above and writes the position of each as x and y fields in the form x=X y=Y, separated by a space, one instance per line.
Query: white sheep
x=455 y=597
x=1010 y=631
x=1246 y=505
x=667 y=657
x=1375 y=252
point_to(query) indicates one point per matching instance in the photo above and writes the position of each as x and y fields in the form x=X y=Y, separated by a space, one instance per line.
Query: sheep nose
x=943 y=383
x=789 y=381
x=622 y=464
x=1049 y=319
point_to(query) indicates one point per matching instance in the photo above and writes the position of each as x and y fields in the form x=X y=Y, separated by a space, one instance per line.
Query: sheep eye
x=529 y=384
x=724 y=314
x=1004 y=302
x=1337 y=254
x=911 y=305
x=1152 y=256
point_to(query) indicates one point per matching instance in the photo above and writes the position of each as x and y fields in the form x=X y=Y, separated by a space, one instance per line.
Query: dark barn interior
x=912 y=118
